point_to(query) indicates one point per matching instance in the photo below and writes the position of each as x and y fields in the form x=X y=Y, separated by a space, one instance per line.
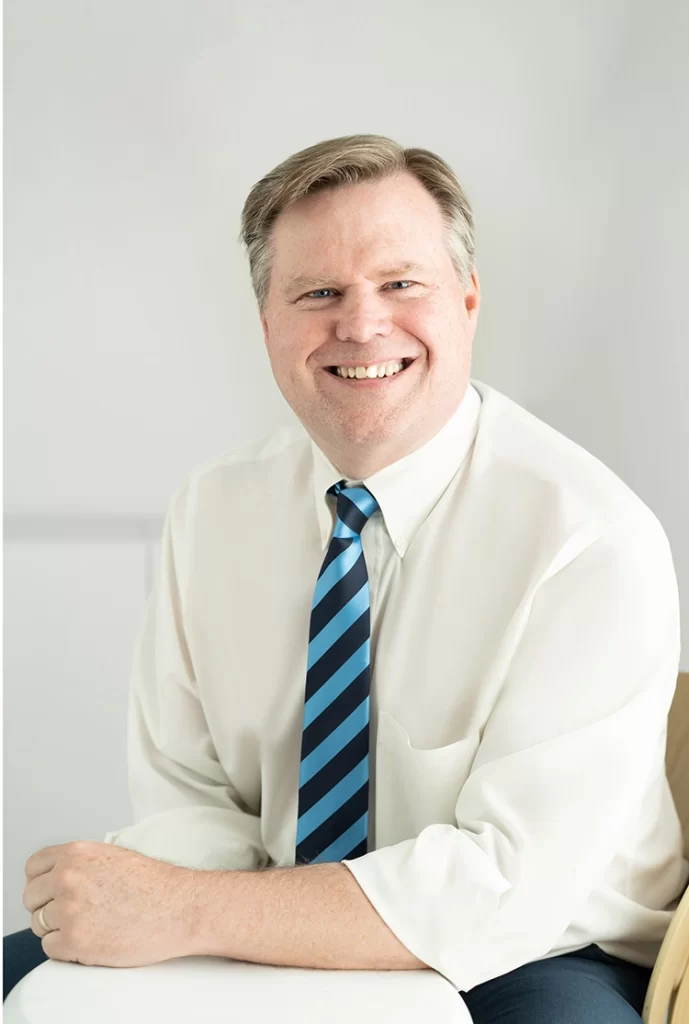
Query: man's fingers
x=41 y=861
x=54 y=947
x=37 y=892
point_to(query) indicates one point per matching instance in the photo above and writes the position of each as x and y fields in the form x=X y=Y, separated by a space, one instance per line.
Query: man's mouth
x=371 y=372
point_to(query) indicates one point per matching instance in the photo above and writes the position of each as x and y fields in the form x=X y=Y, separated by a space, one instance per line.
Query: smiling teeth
x=383 y=370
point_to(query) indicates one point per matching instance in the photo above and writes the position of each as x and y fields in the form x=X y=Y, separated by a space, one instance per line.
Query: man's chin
x=361 y=435
x=363 y=439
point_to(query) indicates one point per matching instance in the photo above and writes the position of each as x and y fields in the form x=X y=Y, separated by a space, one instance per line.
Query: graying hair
x=344 y=161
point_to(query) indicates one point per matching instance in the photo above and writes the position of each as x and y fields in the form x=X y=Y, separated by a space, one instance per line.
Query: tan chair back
x=677 y=756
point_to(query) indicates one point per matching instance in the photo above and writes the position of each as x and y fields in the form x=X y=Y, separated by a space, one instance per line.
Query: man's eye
x=318 y=293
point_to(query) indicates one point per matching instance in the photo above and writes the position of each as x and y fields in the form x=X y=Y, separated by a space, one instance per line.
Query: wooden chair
x=667 y=999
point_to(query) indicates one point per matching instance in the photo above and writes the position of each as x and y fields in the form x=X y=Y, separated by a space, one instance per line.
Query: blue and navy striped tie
x=333 y=779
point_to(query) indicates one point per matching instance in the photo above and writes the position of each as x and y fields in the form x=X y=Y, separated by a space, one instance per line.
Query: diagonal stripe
x=335 y=658
x=336 y=547
x=338 y=822
x=338 y=625
x=337 y=596
x=363 y=499
x=333 y=799
x=335 y=713
x=343 y=761
x=343 y=846
x=358 y=851
x=335 y=571
x=353 y=667
x=326 y=750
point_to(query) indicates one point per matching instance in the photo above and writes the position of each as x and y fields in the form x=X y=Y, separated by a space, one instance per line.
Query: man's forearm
x=315 y=915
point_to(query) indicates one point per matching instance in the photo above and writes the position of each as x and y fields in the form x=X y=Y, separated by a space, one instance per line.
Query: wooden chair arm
x=667 y=998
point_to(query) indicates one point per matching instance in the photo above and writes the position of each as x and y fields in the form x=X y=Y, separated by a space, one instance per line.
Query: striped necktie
x=333 y=778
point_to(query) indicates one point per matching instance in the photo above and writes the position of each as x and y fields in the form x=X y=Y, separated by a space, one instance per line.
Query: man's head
x=361 y=254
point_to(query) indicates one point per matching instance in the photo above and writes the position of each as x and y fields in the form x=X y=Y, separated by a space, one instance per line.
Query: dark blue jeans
x=586 y=987
x=21 y=952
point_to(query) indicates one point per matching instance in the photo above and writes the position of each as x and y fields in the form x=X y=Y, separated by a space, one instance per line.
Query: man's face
x=362 y=277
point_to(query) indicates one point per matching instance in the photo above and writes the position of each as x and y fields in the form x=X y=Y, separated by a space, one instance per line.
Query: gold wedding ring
x=41 y=920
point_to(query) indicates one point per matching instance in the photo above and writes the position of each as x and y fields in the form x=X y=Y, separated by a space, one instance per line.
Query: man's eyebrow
x=404 y=268
x=303 y=283
x=298 y=284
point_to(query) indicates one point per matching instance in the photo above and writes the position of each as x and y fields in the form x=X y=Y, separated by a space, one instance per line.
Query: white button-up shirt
x=524 y=655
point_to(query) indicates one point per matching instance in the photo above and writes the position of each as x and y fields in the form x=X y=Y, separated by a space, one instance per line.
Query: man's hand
x=110 y=906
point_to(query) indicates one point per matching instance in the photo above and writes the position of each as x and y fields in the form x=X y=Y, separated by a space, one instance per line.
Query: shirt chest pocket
x=416 y=787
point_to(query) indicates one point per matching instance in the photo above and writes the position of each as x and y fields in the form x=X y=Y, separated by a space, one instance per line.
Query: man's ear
x=472 y=295
x=264 y=325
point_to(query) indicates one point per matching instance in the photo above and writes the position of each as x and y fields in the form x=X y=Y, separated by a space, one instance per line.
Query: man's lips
x=406 y=360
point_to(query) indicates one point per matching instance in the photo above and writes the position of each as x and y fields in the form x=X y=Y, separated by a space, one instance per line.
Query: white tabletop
x=214 y=990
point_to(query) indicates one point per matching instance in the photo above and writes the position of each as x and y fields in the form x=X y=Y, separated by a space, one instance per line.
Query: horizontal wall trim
x=82 y=528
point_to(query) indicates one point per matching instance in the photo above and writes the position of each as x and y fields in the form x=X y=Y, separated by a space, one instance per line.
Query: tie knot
x=355 y=506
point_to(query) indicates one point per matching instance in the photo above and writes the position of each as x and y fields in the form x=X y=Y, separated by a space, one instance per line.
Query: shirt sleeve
x=186 y=810
x=566 y=754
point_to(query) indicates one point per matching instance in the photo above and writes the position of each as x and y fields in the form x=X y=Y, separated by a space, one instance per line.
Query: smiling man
x=400 y=696
x=369 y=347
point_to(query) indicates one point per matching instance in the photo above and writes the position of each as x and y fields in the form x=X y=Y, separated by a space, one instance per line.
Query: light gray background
x=133 y=352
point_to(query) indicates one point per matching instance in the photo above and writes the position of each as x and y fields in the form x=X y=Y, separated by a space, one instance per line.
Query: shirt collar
x=408 y=489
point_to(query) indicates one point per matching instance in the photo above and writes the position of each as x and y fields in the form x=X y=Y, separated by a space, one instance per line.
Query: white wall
x=134 y=131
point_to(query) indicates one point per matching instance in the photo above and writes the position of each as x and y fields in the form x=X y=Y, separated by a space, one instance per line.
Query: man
x=407 y=666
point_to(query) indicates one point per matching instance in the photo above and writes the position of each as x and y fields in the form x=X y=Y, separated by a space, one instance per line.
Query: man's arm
x=186 y=810
x=314 y=915
x=118 y=908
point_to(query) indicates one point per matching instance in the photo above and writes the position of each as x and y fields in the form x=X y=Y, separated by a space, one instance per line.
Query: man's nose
x=362 y=319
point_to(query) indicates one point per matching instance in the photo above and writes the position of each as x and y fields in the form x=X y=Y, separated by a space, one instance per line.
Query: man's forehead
x=387 y=269
x=389 y=214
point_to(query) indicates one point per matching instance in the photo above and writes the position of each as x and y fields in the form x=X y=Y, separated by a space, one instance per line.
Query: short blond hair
x=344 y=161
